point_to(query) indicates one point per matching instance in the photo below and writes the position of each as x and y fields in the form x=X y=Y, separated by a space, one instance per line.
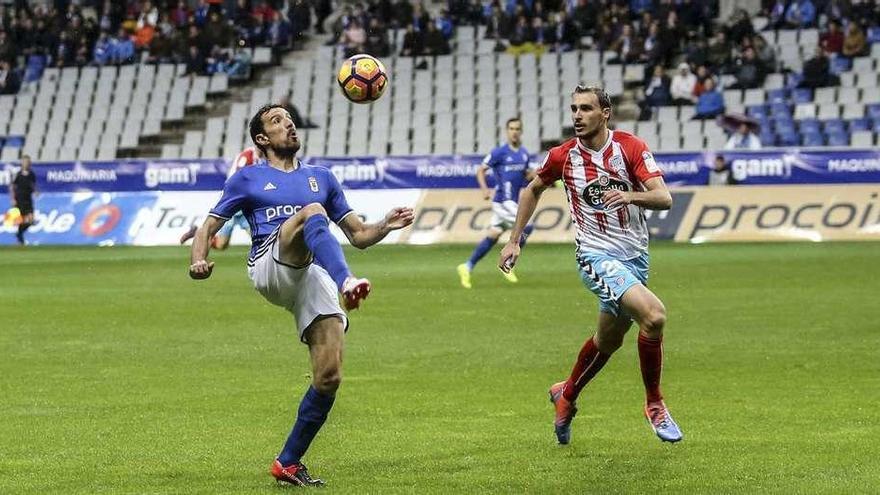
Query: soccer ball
x=362 y=78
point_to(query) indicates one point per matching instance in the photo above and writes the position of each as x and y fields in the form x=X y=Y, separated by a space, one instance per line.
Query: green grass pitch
x=118 y=374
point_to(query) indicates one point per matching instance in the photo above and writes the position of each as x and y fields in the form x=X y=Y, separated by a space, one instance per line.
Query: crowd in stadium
x=209 y=36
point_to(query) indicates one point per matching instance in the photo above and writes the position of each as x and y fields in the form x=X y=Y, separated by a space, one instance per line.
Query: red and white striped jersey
x=624 y=163
x=248 y=156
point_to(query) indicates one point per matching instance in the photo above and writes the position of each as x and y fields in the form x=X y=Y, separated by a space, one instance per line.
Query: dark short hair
x=601 y=95
x=512 y=119
x=256 y=126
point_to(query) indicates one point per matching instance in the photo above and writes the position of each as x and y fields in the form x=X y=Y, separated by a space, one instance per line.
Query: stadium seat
x=840 y=64
x=838 y=139
x=862 y=139
x=859 y=124
x=812 y=139
x=809 y=126
x=834 y=126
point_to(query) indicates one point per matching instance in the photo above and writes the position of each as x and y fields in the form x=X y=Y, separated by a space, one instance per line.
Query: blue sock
x=312 y=413
x=326 y=249
x=525 y=235
x=482 y=248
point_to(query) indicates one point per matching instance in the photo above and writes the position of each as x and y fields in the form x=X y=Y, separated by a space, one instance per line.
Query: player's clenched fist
x=508 y=258
x=201 y=269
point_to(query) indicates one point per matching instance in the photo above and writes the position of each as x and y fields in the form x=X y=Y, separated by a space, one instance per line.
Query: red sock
x=651 y=361
x=590 y=360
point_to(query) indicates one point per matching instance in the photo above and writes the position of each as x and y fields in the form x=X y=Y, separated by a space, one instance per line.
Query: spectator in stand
x=750 y=73
x=7 y=48
x=180 y=14
x=720 y=52
x=626 y=47
x=9 y=82
x=682 y=87
x=800 y=14
x=765 y=53
x=656 y=93
x=377 y=39
x=160 y=50
x=855 y=44
x=353 y=38
x=195 y=62
x=522 y=37
x=299 y=15
x=412 y=43
x=743 y=139
x=103 y=52
x=653 y=50
x=216 y=31
x=435 y=42
x=720 y=174
x=817 y=72
x=703 y=75
x=323 y=10
x=710 y=104
x=740 y=26
x=832 y=40
x=445 y=24
x=561 y=35
x=278 y=32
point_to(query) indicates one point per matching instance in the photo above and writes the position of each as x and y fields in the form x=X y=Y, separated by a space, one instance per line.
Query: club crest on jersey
x=616 y=163
x=313 y=184
x=597 y=188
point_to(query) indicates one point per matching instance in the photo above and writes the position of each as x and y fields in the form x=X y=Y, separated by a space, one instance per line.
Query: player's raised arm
x=528 y=202
x=200 y=268
x=363 y=235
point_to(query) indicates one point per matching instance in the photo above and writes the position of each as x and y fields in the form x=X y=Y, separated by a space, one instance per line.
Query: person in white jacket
x=743 y=139
x=682 y=87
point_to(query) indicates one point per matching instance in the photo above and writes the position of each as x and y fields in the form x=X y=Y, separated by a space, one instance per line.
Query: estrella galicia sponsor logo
x=597 y=188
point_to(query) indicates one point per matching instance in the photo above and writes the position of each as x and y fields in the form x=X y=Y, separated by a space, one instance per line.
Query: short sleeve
x=640 y=161
x=491 y=159
x=336 y=205
x=233 y=198
x=550 y=170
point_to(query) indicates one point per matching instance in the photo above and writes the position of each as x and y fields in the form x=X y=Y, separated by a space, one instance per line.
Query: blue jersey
x=269 y=196
x=509 y=167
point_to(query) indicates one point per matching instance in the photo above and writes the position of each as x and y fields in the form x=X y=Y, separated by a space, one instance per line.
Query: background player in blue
x=509 y=164
x=296 y=263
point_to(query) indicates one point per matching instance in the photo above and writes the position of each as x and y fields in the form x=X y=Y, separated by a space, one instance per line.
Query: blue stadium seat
x=834 y=126
x=777 y=95
x=784 y=127
x=810 y=125
x=862 y=124
x=840 y=64
x=793 y=79
x=802 y=95
x=768 y=138
x=874 y=35
x=838 y=139
x=780 y=109
x=788 y=139
x=874 y=110
x=812 y=139
x=875 y=125
x=757 y=111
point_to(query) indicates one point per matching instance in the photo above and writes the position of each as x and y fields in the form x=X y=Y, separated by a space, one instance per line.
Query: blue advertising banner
x=788 y=166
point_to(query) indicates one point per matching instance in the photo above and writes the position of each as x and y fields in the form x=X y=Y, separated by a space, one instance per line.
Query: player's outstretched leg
x=595 y=352
x=325 y=339
x=650 y=313
x=464 y=269
x=308 y=234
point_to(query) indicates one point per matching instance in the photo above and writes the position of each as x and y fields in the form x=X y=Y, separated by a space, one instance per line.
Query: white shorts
x=504 y=215
x=307 y=292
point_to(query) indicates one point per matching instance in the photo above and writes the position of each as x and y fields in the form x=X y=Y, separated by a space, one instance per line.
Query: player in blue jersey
x=296 y=263
x=509 y=164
